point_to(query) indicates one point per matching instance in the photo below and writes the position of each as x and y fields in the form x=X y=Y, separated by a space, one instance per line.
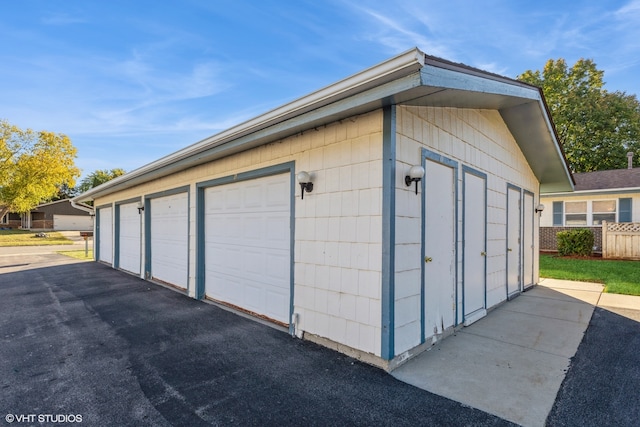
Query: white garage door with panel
x=105 y=230
x=129 y=238
x=247 y=245
x=72 y=222
x=169 y=239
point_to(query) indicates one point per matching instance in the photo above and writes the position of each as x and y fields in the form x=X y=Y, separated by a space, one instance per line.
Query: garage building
x=374 y=216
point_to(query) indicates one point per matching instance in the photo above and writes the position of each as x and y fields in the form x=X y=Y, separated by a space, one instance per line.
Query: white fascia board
x=394 y=68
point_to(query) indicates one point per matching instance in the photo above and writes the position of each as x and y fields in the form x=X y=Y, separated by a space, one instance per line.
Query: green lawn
x=78 y=254
x=619 y=277
x=28 y=238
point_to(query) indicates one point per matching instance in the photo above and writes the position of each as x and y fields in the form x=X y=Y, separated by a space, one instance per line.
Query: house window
x=603 y=210
x=575 y=213
x=589 y=213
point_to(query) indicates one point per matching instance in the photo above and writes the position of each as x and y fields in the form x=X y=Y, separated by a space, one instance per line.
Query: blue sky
x=132 y=81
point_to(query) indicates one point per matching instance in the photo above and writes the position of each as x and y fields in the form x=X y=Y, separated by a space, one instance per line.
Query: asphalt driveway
x=80 y=338
x=84 y=339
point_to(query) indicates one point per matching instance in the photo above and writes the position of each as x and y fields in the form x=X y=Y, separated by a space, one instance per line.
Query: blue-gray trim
x=282 y=168
x=625 y=210
x=387 y=350
x=558 y=214
x=97 y=238
x=148 y=273
x=506 y=247
x=438 y=158
x=469 y=170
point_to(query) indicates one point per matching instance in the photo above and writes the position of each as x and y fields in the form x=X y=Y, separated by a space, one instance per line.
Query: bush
x=575 y=242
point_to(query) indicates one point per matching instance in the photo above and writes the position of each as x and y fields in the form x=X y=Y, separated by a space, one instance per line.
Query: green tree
x=596 y=128
x=98 y=177
x=33 y=166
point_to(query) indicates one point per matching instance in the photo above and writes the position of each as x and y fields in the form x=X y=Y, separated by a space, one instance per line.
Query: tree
x=98 y=177
x=33 y=166
x=596 y=128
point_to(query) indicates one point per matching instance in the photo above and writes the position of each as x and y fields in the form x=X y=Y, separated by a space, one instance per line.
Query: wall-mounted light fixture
x=140 y=207
x=304 y=178
x=539 y=208
x=415 y=175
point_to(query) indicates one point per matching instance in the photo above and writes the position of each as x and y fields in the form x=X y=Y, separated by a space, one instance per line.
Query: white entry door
x=105 y=237
x=440 y=248
x=170 y=239
x=474 y=247
x=247 y=245
x=129 y=238
x=513 y=242
x=528 y=247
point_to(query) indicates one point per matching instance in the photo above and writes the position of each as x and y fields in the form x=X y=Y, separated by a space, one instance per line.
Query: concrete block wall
x=476 y=138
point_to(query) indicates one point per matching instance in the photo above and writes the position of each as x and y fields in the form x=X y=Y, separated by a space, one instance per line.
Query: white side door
x=169 y=239
x=105 y=228
x=528 y=247
x=474 y=247
x=247 y=245
x=129 y=238
x=513 y=242
x=440 y=245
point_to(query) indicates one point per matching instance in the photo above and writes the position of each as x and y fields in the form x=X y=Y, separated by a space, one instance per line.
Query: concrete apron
x=512 y=362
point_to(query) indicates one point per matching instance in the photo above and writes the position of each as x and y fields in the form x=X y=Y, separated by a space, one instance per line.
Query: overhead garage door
x=105 y=230
x=129 y=238
x=247 y=245
x=73 y=222
x=170 y=239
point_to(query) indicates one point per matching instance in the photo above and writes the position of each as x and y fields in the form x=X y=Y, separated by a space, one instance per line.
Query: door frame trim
x=116 y=230
x=506 y=247
x=445 y=161
x=282 y=168
x=148 y=273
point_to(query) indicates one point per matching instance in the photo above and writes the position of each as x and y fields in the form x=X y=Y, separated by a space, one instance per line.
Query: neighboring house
x=308 y=215
x=612 y=196
x=59 y=215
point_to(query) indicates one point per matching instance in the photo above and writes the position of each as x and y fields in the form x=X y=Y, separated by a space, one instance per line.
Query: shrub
x=575 y=242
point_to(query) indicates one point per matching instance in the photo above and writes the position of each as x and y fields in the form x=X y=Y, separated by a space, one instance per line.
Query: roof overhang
x=411 y=78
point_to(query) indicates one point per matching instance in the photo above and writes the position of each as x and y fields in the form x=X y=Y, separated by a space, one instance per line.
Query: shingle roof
x=605 y=180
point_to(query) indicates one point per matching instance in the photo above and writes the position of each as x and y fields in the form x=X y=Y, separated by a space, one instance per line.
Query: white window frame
x=589 y=213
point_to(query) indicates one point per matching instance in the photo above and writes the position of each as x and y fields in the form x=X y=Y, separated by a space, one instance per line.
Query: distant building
x=59 y=215
x=611 y=195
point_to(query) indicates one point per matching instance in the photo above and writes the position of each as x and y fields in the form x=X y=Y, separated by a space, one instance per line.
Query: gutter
x=392 y=69
x=595 y=191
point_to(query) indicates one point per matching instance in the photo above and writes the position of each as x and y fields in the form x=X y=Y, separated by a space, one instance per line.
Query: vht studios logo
x=43 y=418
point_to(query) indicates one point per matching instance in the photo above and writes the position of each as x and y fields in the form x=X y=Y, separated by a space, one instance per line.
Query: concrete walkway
x=512 y=362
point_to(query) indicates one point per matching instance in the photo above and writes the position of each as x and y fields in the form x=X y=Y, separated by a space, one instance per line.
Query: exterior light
x=304 y=179
x=415 y=175
x=140 y=207
x=539 y=208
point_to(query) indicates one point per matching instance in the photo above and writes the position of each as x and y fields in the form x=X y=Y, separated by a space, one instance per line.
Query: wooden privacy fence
x=621 y=240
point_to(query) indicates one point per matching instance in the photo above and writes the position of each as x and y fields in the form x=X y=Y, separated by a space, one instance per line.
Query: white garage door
x=129 y=238
x=72 y=222
x=170 y=239
x=105 y=240
x=247 y=246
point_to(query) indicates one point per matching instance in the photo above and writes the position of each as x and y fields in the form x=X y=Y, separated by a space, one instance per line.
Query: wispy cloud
x=62 y=19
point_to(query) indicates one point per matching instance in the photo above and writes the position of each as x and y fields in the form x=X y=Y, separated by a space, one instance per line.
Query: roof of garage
x=412 y=78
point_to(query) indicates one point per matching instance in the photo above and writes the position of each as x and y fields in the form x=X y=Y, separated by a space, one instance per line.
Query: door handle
x=428 y=259
x=509 y=250
x=483 y=253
